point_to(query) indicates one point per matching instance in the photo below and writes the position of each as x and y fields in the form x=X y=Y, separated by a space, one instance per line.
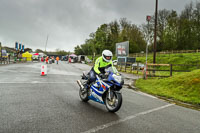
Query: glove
x=101 y=75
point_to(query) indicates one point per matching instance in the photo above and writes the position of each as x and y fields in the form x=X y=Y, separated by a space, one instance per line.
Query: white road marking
x=37 y=82
x=101 y=127
x=141 y=93
x=144 y=94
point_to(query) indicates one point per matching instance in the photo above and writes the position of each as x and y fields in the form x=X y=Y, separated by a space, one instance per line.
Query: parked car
x=140 y=65
x=64 y=58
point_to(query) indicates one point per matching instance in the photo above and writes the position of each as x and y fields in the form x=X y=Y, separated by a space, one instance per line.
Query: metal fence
x=4 y=61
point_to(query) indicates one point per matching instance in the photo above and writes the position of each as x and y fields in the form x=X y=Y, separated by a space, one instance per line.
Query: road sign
x=122 y=49
x=148 y=18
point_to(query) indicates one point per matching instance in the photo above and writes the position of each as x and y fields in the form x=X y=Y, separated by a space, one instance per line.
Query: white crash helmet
x=107 y=55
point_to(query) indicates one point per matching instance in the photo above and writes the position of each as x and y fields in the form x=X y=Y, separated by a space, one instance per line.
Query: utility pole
x=46 y=42
x=148 y=18
x=155 y=32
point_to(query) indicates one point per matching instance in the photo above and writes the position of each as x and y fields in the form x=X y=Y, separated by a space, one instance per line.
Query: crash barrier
x=23 y=60
x=5 y=61
x=130 y=67
x=166 y=70
x=43 y=70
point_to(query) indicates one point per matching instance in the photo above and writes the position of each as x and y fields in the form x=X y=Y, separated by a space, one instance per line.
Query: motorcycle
x=104 y=90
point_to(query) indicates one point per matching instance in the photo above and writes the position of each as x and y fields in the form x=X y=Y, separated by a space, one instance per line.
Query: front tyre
x=113 y=104
x=83 y=93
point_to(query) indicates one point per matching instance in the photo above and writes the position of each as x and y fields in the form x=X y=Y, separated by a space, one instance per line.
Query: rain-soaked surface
x=33 y=103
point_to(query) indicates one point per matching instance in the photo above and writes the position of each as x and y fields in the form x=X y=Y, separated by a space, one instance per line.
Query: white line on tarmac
x=36 y=82
x=141 y=93
x=101 y=127
x=144 y=94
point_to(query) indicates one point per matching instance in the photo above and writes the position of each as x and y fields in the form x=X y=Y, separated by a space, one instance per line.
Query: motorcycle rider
x=100 y=65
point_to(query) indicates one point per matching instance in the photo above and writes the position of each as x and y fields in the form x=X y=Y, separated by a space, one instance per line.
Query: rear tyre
x=83 y=93
x=113 y=104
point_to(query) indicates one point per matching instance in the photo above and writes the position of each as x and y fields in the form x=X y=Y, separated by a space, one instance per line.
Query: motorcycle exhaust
x=80 y=84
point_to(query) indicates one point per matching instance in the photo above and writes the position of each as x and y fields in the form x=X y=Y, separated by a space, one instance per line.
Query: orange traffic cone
x=43 y=70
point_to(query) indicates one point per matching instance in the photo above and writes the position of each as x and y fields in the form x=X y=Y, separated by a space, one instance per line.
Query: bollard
x=43 y=70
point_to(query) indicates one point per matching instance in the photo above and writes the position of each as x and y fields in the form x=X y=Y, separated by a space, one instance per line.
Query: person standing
x=47 y=59
x=69 y=60
x=42 y=59
x=57 y=59
x=9 y=58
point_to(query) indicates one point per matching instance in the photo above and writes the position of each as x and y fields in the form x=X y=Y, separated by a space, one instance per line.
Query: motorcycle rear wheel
x=83 y=94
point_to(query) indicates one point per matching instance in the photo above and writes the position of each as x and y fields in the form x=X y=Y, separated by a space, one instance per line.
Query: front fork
x=109 y=94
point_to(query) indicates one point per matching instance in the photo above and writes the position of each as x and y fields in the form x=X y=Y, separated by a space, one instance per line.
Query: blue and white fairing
x=101 y=86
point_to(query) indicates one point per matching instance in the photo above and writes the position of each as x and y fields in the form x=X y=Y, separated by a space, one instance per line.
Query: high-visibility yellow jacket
x=100 y=65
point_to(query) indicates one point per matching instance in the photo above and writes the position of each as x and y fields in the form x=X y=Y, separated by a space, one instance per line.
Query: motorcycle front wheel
x=114 y=103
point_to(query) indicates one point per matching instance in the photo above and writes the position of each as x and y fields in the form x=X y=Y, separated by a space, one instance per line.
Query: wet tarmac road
x=51 y=104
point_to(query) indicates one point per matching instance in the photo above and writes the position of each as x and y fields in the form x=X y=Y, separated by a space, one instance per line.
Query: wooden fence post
x=145 y=72
x=170 y=69
x=137 y=67
x=131 y=67
x=125 y=66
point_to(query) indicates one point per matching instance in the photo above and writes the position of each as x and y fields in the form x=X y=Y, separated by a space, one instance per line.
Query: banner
x=23 y=48
x=16 y=45
x=20 y=47
x=4 y=52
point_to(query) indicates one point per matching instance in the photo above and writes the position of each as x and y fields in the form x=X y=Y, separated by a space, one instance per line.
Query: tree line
x=174 y=32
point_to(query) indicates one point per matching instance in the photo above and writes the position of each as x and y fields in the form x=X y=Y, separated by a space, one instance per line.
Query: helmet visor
x=108 y=57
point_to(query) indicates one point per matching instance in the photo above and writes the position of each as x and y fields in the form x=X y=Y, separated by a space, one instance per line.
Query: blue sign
x=16 y=45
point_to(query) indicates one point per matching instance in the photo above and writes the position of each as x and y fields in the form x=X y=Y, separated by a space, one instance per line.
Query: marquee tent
x=28 y=56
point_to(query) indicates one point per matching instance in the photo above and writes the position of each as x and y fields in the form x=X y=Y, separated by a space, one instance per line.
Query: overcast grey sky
x=69 y=22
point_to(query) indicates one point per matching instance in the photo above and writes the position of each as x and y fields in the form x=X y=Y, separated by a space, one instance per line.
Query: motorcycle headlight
x=117 y=78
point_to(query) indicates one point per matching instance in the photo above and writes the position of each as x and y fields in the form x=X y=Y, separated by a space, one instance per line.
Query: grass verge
x=184 y=87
